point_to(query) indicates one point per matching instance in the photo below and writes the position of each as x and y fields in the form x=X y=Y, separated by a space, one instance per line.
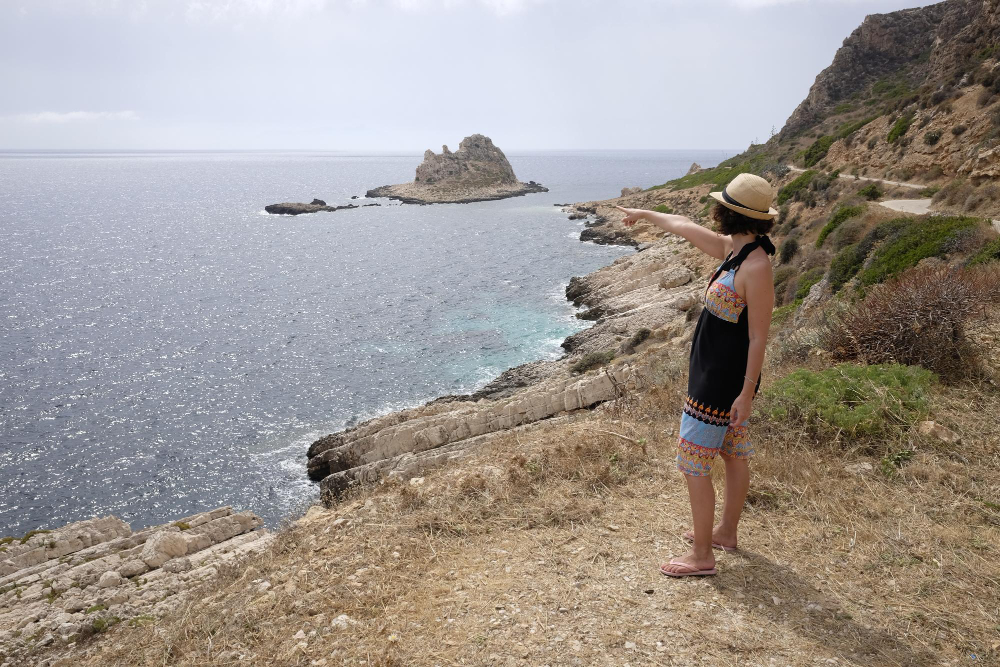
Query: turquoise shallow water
x=168 y=347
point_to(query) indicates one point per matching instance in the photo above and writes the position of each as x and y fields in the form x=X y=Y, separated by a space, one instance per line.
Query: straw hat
x=748 y=194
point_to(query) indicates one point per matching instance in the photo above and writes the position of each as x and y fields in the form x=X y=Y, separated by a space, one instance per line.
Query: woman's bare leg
x=733 y=500
x=735 y=496
x=702 y=496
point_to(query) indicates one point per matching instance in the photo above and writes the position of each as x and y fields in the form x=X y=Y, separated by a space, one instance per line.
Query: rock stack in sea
x=65 y=584
x=477 y=171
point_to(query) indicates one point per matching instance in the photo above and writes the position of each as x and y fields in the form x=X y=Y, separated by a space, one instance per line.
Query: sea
x=167 y=347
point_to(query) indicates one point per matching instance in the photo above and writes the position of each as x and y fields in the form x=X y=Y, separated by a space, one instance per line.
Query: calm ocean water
x=167 y=347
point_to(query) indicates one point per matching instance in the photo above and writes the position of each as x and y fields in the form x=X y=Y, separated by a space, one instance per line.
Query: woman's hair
x=728 y=222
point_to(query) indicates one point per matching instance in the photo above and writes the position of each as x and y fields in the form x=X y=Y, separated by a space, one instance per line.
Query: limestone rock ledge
x=477 y=171
x=61 y=585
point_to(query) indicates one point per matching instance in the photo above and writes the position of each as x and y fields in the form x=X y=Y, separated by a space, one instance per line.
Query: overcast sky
x=411 y=74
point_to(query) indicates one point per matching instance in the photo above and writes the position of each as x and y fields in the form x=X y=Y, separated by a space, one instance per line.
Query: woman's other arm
x=760 y=304
x=704 y=239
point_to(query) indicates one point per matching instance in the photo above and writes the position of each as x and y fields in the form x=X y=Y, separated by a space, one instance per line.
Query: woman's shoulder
x=757 y=263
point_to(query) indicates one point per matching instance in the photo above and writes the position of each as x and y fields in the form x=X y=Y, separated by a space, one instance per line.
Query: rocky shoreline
x=63 y=585
x=651 y=294
x=298 y=208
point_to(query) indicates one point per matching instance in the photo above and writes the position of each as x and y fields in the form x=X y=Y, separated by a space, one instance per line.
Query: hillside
x=523 y=524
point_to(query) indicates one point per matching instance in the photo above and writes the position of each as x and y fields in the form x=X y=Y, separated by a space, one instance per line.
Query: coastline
x=649 y=294
x=648 y=291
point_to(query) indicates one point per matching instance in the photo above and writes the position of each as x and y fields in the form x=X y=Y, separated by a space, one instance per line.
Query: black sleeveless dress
x=716 y=376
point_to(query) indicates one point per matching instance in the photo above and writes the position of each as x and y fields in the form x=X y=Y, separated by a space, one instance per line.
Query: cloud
x=58 y=118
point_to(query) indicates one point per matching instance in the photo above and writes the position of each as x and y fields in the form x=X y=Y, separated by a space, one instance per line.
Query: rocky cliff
x=477 y=171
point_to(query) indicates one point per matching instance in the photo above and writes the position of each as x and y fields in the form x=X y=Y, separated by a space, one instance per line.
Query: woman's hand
x=740 y=411
x=632 y=215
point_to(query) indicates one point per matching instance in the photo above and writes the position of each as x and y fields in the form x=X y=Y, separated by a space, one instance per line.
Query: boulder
x=163 y=546
x=631 y=191
x=109 y=580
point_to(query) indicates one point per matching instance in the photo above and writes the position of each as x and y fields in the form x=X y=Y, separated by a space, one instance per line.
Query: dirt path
x=915 y=206
x=914 y=186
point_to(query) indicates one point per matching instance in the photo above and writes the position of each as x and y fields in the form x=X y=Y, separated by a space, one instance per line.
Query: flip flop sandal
x=691 y=571
x=715 y=545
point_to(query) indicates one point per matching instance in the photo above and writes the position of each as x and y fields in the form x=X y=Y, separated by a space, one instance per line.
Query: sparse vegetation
x=863 y=403
x=797 y=186
x=789 y=247
x=900 y=128
x=182 y=525
x=918 y=318
x=932 y=137
x=870 y=192
x=31 y=533
x=840 y=215
x=959 y=130
x=989 y=253
x=592 y=360
x=912 y=240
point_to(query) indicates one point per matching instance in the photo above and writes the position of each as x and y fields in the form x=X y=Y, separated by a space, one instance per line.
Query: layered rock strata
x=61 y=585
x=477 y=171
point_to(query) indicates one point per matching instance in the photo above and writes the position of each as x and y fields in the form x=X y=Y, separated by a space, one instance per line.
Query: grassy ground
x=544 y=550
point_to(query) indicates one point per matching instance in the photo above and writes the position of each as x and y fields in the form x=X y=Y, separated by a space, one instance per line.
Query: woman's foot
x=721 y=539
x=689 y=565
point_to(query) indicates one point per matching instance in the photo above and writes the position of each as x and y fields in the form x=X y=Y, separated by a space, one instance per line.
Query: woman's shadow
x=760 y=580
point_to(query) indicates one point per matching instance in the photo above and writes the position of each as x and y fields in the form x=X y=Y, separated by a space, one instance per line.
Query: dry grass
x=543 y=550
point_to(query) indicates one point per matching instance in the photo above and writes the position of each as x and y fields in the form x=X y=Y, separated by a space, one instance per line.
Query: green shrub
x=818 y=150
x=781 y=314
x=592 y=360
x=900 y=127
x=929 y=192
x=96 y=607
x=913 y=241
x=31 y=533
x=782 y=275
x=839 y=216
x=637 y=339
x=104 y=624
x=870 y=192
x=958 y=129
x=989 y=253
x=788 y=250
x=846 y=263
x=850 y=232
x=755 y=162
x=862 y=402
x=932 y=137
x=663 y=208
x=807 y=280
x=797 y=186
x=182 y=525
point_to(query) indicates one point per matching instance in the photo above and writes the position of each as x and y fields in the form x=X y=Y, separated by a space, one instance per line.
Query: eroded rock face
x=477 y=171
x=73 y=581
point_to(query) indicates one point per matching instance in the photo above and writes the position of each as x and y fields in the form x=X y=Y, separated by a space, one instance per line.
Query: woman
x=727 y=354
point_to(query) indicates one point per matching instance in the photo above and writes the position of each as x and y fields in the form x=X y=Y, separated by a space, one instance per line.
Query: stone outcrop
x=477 y=171
x=293 y=208
x=885 y=45
x=65 y=584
